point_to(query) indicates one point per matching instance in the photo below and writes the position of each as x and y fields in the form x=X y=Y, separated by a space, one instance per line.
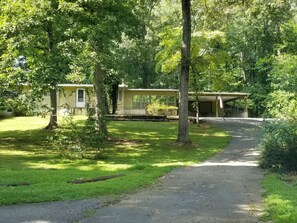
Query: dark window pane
x=80 y=95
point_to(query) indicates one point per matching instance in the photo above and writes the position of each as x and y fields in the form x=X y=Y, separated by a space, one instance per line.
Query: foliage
x=208 y=62
x=72 y=141
x=142 y=150
x=254 y=36
x=161 y=109
x=289 y=36
x=19 y=106
x=135 y=56
x=19 y=103
x=279 y=148
x=37 y=30
x=100 y=26
x=282 y=102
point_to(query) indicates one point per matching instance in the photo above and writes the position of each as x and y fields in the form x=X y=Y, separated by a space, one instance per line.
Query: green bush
x=161 y=109
x=19 y=106
x=73 y=140
x=279 y=146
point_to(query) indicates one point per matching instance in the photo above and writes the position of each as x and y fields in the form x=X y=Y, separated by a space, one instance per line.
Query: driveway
x=225 y=188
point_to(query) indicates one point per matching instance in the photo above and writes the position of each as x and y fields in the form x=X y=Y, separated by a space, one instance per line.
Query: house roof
x=202 y=96
x=152 y=90
x=75 y=85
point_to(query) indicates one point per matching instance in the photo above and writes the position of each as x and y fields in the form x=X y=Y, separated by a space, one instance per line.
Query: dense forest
x=238 y=46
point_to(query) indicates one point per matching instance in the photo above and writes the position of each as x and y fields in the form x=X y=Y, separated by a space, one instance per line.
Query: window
x=80 y=95
x=80 y=98
x=142 y=101
x=167 y=100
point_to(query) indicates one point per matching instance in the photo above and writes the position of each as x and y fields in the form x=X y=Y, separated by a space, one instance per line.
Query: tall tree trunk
x=53 y=123
x=145 y=78
x=183 y=132
x=100 y=123
x=242 y=69
x=114 y=96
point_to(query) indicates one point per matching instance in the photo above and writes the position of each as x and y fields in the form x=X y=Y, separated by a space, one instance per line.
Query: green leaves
x=282 y=102
x=279 y=148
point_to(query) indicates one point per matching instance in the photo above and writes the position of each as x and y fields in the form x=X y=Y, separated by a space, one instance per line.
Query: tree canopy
x=245 y=46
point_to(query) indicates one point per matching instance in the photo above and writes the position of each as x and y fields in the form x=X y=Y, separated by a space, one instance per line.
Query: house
x=133 y=101
x=74 y=99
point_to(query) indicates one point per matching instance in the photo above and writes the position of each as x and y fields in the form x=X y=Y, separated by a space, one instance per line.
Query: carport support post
x=245 y=107
x=217 y=107
x=197 y=110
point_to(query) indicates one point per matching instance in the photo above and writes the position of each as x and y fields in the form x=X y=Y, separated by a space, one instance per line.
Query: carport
x=217 y=104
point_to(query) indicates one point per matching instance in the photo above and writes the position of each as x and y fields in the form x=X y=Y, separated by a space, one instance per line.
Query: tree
x=101 y=24
x=253 y=37
x=37 y=30
x=183 y=132
x=282 y=102
x=136 y=56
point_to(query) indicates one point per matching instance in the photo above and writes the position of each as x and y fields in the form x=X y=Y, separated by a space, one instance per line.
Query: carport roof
x=202 y=96
x=212 y=96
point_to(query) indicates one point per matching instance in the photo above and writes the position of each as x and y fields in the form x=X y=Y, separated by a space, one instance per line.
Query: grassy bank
x=145 y=152
x=281 y=198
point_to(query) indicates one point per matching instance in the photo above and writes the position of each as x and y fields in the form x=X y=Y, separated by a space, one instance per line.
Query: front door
x=80 y=98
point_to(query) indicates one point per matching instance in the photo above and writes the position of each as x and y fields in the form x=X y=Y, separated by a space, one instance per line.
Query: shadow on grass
x=146 y=143
x=147 y=152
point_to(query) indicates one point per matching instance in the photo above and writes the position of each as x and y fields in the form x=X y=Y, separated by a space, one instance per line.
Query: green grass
x=147 y=153
x=280 y=198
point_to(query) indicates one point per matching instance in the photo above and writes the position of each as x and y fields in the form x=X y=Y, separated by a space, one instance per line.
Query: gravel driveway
x=225 y=188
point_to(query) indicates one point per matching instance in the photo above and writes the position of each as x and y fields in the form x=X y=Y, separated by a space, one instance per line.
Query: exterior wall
x=120 y=104
x=67 y=99
x=125 y=106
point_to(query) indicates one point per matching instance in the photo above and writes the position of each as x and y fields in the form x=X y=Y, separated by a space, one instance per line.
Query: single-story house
x=75 y=98
x=71 y=98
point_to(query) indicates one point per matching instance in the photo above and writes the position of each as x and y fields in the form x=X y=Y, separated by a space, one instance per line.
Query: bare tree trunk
x=242 y=70
x=53 y=123
x=114 y=96
x=100 y=123
x=145 y=78
x=183 y=132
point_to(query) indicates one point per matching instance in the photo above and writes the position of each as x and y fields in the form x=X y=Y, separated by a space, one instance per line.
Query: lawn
x=145 y=151
x=281 y=198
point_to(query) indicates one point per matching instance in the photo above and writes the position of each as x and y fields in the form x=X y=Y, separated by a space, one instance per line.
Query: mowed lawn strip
x=143 y=152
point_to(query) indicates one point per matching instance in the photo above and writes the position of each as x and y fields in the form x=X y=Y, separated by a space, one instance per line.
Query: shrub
x=161 y=109
x=279 y=146
x=74 y=141
x=19 y=105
